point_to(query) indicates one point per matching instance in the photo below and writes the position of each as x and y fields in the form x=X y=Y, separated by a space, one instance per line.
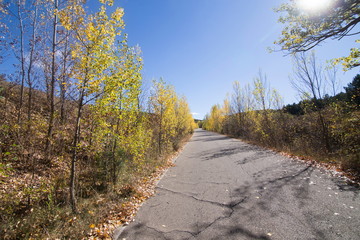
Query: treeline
x=321 y=127
x=75 y=120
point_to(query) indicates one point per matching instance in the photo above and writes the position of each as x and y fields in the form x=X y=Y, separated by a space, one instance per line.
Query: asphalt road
x=222 y=188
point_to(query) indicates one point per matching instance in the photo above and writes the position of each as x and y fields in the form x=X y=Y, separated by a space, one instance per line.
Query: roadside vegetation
x=323 y=129
x=81 y=139
x=324 y=125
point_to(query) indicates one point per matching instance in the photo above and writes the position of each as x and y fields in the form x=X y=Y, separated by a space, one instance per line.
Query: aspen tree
x=184 y=123
x=215 y=120
x=95 y=36
x=22 y=56
x=238 y=107
x=119 y=122
x=52 y=79
x=162 y=101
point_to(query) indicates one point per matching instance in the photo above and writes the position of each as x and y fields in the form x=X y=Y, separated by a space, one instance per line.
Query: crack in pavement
x=173 y=231
x=199 y=183
x=186 y=183
x=229 y=206
x=195 y=198
x=272 y=197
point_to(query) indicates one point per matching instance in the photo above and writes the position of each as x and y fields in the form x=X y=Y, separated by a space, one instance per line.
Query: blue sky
x=203 y=46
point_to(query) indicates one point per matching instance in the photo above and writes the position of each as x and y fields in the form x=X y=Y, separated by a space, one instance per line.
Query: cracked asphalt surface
x=223 y=188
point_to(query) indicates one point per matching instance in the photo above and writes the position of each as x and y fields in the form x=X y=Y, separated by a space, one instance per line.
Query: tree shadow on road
x=221 y=153
x=141 y=231
x=228 y=232
x=246 y=148
x=209 y=138
x=237 y=230
x=271 y=198
x=348 y=186
x=254 y=157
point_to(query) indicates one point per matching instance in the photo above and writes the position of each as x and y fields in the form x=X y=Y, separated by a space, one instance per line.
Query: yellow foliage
x=172 y=114
x=213 y=122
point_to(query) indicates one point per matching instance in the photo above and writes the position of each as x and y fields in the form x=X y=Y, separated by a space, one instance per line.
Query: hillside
x=110 y=184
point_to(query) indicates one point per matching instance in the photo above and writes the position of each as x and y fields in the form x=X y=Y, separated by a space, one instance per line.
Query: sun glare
x=314 y=5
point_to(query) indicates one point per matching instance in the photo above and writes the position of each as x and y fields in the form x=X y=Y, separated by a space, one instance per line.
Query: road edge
x=118 y=230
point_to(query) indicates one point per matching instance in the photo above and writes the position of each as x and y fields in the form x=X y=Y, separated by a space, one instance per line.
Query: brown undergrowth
x=111 y=183
x=336 y=168
x=98 y=215
x=123 y=212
